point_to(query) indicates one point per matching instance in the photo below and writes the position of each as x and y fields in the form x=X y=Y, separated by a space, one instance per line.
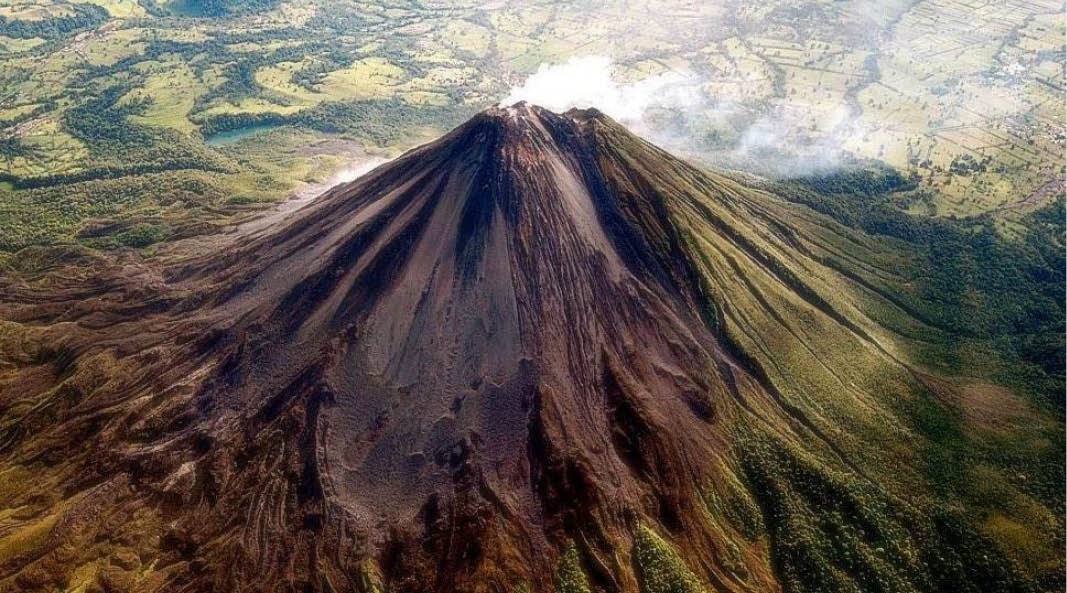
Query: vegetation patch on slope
x=973 y=282
x=834 y=532
x=662 y=570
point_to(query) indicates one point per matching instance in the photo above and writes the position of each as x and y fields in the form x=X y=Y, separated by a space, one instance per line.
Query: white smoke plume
x=798 y=139
x=590 y=81
x=679 y=111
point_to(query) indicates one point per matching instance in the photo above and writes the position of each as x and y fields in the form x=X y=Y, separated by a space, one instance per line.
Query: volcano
x=538 y=354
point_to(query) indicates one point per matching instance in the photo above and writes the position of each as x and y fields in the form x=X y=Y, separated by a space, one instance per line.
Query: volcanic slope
x=538 y=354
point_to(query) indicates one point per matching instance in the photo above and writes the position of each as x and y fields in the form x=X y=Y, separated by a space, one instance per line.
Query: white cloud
x=799 y=139
x=590 y=81
x=677 y=110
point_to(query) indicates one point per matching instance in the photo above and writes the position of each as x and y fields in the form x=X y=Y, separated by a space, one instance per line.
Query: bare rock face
x=497 y=363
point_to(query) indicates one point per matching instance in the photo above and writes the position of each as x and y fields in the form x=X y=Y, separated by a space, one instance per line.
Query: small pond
x=236 y=134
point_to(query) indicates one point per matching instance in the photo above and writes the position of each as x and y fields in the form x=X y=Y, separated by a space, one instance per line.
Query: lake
x=237 y=134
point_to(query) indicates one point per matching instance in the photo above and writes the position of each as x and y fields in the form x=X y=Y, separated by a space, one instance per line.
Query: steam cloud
x=678 y=110
x=590 y=81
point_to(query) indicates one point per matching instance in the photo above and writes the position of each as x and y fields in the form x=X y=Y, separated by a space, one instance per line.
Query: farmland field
x=963 y=98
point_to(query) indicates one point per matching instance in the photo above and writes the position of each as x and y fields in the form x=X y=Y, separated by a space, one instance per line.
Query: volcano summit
x=538 y=354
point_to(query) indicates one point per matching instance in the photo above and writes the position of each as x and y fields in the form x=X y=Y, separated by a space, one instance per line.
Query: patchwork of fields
x=219 y=105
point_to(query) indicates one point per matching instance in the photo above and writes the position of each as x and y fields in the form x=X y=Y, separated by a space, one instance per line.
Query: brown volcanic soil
x=437 y=378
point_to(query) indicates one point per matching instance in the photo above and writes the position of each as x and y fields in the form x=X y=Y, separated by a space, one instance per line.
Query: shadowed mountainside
x=537 y=354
